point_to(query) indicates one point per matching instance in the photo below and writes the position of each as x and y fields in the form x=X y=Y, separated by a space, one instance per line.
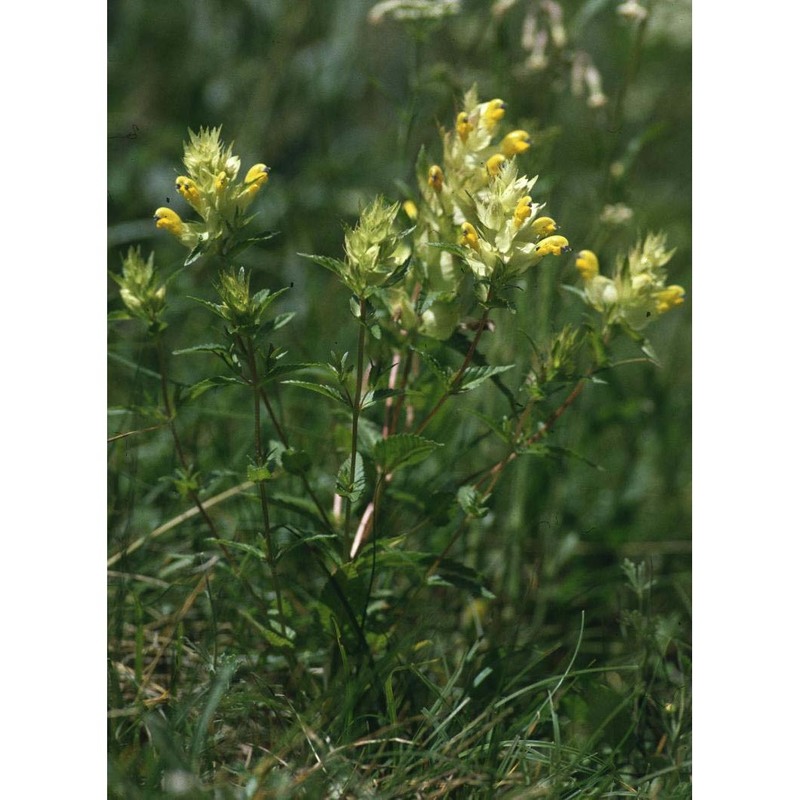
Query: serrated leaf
x=279 y=321
x=333 y=264
x=564 y=451
x=258 y=474
x=377 y=395
x=455 y=249
x=212 y=347
x=474 y=376
x=441 y=372
x=242 y=547
x=352 y=489
x=402 y=450
x=265 y=236
x=199 y=249
x=213 y=307
x=319 y=388
x=193 y=392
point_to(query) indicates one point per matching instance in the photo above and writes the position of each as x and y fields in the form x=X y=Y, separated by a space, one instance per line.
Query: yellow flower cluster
x=211 y=189
x=474 y=198
x=637 y=292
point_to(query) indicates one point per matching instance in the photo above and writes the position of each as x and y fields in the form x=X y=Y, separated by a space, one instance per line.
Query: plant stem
x=250 y=354
x=459 y=376
x=494 y=473
x=162 y=367
x=285 y=441
x=362 y=335
x=195 y=497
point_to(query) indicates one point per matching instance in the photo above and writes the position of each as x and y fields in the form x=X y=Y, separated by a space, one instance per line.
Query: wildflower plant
x=333 y=545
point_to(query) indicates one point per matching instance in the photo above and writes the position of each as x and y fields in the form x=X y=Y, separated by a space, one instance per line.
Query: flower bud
x=544 y=226
x=587 y=264
x=552 y=245
x=495 y=111
x=669 y=298
x=495 y=164
x=523 y=210
x=166 y=219
x=188 y=190
x=436 y=178
x=463 y=125
x=469 y=237
x=515 y=143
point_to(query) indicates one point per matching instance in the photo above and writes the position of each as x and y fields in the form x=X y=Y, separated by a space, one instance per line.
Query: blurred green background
x=338 y=107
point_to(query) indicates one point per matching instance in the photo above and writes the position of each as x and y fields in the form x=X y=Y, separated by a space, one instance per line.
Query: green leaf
x=452 y=573
x=278 y=321
x=274 y=637
x=242 y=547
x=193 y=392
x=213 y=307
x=319 y=388
x=377 y=395
x=475 y=376
x=455 y=249
x=258 y=474
x=198 y=251
x=333 y=264
x=470 y=501
x=401 y=450
x=212 y=347
x=120 y=314
x=353 y=488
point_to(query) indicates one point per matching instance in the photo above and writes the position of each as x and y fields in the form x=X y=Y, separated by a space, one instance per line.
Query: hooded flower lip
x=436 y=178
x=166 y=219
x=515 y=143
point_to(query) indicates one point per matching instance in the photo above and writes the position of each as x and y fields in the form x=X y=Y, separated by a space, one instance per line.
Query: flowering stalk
x=248 y=349
x=362 y=333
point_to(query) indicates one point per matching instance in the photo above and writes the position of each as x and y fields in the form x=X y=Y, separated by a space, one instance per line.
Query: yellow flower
x=495 y=164
x=220 y=182
x=463 y=125
x=587 y=264
x=188 y=190
x=256 y=177
x=495 y=111
x=166 y=219
x=469 y=237
x=552 y=245
x=436 y=178
x=258 y=174
x=523 y=210
x=669 y=298
x=544 y=226
x=515 y=143
x=410 y=207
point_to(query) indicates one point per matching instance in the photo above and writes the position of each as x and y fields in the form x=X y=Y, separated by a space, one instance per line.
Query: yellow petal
x=436 y=178
x=587 y=264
